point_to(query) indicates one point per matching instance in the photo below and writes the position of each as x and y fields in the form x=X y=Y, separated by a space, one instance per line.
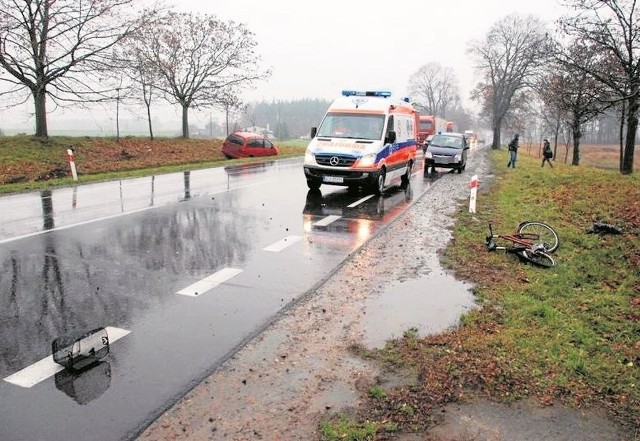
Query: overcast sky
x=316 y=49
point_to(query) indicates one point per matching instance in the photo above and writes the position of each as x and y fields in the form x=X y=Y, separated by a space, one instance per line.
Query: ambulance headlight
x=458 y=157
x=428 y=154
x=309 y=158
x=367 y=160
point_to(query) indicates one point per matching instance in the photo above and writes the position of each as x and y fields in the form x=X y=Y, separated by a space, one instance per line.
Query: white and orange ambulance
x=366 y=139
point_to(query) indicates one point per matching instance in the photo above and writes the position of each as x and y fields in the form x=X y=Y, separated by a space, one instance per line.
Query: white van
x=366 y=139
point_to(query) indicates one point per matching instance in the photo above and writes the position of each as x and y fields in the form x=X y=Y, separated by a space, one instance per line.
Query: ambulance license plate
x=333 y=179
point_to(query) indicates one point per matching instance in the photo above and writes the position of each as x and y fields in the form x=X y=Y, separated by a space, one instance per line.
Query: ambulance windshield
x=352 y=126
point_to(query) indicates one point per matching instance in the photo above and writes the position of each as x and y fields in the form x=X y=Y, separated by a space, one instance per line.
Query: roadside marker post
x=474 y=192
x=72 y=163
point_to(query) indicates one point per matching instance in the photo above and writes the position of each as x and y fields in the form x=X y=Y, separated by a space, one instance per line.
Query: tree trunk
x=40 y=102
x=495 y=144
x=149 y=121
x=632 y=128
x=577 y=134
x=555 y=138
x=227 y=118
x=621 y=133
x=185 y=121
x=118 y=116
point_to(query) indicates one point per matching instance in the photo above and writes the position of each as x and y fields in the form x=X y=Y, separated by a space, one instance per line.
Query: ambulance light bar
x=379 y=93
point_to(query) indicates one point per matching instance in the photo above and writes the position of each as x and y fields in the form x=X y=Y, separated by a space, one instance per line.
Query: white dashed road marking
x=282 y=244
x=209 y=282
x=359 y=201
x=327 y=220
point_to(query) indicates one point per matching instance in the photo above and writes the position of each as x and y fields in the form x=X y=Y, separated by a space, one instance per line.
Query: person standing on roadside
x=547 y=153
x=513 y=152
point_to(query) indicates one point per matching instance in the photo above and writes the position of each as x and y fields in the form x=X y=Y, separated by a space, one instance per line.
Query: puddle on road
x=431 y=304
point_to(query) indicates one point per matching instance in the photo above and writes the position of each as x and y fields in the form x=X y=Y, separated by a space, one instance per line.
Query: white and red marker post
x=72 y=163
x=474 y=193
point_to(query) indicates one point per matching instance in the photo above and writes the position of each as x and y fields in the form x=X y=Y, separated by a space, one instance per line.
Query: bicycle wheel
x=546 y=236
x=538 y=258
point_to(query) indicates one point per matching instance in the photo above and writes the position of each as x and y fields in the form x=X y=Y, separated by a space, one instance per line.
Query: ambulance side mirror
x=314 y=131
x=391 y=137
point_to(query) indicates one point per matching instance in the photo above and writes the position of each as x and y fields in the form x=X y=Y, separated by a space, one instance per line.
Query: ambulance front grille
x=335 y=160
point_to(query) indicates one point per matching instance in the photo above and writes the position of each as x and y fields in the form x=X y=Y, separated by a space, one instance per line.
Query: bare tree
x=199 y=56
x=522 y=115
x=552 y=113
x=433 y=87
x=574 y=92
x=506 y=59
x=612 y=27
x=230 y=103
x=133 y=61
x=52 y=48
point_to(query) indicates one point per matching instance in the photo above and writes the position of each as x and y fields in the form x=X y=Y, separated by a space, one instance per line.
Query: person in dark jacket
x=513 y=152
x=547 y=153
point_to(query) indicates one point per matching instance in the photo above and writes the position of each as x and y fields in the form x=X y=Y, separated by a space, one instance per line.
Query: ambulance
x=366 y=139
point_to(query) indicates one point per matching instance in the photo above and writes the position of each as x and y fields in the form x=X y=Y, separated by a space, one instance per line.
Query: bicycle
x=532 y=242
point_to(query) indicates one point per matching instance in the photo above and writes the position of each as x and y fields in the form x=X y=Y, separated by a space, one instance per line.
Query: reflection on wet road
x=192 y=265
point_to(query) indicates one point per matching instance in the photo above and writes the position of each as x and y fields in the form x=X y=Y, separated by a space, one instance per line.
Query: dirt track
x=285 y=381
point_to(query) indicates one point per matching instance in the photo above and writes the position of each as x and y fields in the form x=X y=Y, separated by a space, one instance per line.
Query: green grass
x=341 y=428
x=579 y=322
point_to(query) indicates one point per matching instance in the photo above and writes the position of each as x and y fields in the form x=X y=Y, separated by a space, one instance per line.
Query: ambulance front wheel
x=313 y=184
x=379 y=187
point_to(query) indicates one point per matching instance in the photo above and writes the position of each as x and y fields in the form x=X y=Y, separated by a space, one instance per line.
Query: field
x=600 y=156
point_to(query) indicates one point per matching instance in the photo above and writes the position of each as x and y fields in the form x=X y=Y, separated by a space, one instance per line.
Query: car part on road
x=79 y=351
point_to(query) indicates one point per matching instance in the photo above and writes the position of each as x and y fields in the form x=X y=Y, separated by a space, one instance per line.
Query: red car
x=248 y=145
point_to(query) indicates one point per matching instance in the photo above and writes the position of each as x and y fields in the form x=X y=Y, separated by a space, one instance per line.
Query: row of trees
x=435 y=91
x=288 y=119
x=585 y=67
x=88 y=51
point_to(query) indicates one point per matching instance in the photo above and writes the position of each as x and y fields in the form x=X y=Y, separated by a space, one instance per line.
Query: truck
x=367 y=139
x=430 y=125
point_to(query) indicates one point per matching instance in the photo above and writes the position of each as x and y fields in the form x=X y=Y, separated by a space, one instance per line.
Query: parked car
x=247 y=145
x=446 y=150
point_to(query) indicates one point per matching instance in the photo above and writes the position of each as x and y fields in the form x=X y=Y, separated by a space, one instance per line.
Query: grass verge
x=28 y=163
x=569 y=334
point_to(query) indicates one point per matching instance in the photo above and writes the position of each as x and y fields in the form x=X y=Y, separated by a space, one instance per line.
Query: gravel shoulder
x=300 y=368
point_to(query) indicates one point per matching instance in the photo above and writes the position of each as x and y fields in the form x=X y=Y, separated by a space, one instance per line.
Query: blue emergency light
x=378 y=93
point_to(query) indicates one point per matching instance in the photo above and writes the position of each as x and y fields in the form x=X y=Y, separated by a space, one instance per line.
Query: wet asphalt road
x=183 y=268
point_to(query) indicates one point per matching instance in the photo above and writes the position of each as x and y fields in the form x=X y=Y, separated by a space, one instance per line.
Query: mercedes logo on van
x=334 y=161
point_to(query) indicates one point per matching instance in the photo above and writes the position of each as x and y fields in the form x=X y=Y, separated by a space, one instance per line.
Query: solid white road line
x=282 y=244
x=45 y=368
x=209 y=282
x=359 y=201
x=78 y=224
x=113 y=216
x=327 y=220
